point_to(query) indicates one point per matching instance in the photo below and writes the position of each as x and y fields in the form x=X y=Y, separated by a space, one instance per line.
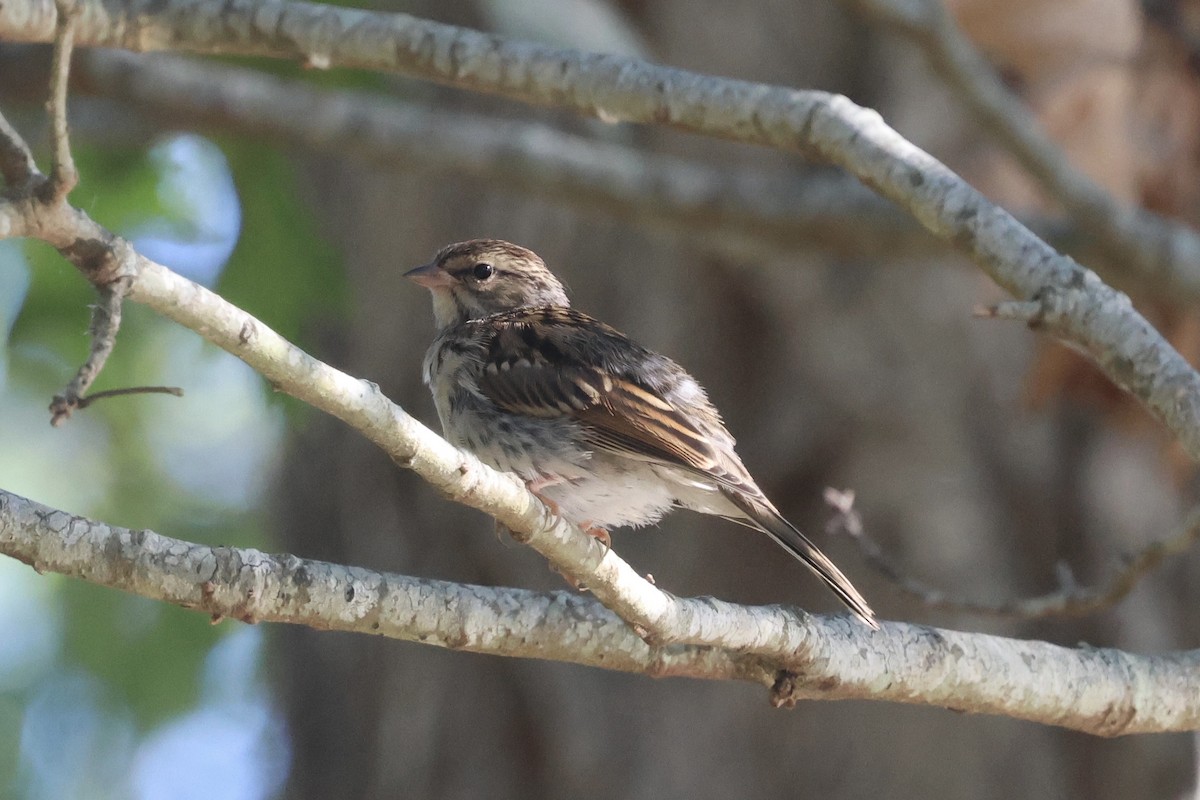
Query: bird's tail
x=766 y=518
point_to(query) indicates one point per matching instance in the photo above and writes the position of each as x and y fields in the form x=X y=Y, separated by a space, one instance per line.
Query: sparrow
x=607 y=433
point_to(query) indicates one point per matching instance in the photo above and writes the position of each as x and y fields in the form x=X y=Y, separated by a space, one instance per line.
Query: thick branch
x=1096 y=319
x=741 y=210
x=1101 y=691
x=1157 y=249
x=1105 y=692
x=251 y=586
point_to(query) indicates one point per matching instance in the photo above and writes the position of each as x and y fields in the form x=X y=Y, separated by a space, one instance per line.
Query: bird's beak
x=429 y=276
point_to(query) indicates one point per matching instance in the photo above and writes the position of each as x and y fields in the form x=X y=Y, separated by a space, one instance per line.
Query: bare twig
x=106 y=321
x=84 y=402
x=61 y=407
x=42 y=204
x=63 y=175
x=1068 y=600
x=36 y=206
x=16 y=160
x=1146 y=244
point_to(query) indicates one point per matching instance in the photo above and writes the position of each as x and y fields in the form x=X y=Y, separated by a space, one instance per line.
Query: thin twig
x=63 y=174
x=106 y=314
x=106 y=321
x=1068 y=600
x=84 y=402
x=16 y=160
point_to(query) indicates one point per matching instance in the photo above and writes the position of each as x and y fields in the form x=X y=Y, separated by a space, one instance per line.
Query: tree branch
x=251 y=586
x=741 y=212
x=37 y=197
x=1095 y=318
x=1103 y=691
x=1098 y=691
x=458 y=475
x=734 y=210
x=1068 y=600
x=106 y=321
x=17 y=166
x=63 y=175
x=1159 y=250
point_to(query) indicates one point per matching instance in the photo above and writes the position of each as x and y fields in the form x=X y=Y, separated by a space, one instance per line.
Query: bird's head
x=475 y=279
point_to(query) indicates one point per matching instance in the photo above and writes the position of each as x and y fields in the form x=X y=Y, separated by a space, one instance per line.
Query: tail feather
x=766 y=518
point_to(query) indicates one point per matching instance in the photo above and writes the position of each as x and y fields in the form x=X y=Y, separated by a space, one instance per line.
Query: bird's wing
x=556 y=362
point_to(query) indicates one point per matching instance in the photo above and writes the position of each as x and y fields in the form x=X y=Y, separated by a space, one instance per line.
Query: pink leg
x=597 y=533
x=544 y=482
x=535 y=487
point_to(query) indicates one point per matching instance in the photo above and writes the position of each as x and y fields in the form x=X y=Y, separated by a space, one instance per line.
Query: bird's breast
x=527 y=445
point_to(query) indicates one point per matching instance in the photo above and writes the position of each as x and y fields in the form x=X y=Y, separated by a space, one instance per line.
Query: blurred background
x=841 y=349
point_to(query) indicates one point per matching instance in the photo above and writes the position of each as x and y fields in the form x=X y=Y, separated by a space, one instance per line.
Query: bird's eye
x=482 y=271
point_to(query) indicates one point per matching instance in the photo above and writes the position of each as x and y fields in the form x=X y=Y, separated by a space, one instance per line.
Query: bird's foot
x=600 y=534
x=597 y=533
x=536 y=486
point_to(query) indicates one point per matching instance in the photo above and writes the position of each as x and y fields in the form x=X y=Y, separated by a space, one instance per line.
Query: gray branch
x=1105 y=692
x=106 y=321
x=736 y=210
x=1090 y=315
x=1156 y=249
x=1099 y=691
x=1102 y=691
x=741 y=212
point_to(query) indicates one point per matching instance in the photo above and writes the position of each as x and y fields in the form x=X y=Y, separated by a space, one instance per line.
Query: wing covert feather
x=554 y=362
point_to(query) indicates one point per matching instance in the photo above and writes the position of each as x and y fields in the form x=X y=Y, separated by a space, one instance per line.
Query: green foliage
x=118 y=187
x=149 y=654
x=282 y=271
x=11 y=711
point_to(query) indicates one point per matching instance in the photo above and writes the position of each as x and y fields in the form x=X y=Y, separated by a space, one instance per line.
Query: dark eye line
x=463 y=272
